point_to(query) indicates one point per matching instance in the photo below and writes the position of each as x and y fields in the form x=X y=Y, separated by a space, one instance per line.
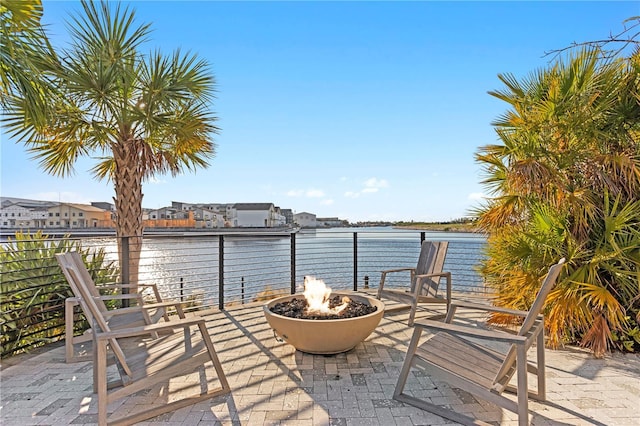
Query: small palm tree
x=137 y=115
x=564 y=181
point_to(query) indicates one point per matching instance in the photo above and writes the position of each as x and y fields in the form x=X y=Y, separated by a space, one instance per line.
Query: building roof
x=83 y=207
x=253 y=206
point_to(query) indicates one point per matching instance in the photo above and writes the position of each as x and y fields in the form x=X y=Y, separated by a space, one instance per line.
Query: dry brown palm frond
x=597 y=337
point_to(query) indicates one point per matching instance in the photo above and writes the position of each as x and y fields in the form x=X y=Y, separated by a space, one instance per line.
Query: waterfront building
x=258 y=215
x=71 y=215
x=19 y=213
x=305 y=220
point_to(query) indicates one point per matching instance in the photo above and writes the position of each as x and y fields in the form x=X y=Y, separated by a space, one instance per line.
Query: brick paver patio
x=273 y=384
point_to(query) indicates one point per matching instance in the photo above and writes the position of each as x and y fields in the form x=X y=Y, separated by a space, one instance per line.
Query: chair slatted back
x=89 y=303
x=86 y=278
x=531 y=322
x=431 y=261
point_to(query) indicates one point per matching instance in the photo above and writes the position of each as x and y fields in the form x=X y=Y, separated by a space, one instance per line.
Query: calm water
x=190 y=266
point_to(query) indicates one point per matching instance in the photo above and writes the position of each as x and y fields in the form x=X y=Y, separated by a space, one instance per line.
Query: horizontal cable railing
x=217 y=270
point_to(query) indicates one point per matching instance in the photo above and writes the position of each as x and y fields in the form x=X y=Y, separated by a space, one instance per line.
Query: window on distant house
x=80 y=214
x=50 y=214
x=57 y=214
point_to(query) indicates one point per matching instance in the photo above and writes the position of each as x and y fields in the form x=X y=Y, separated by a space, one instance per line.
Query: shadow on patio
x=274 y=384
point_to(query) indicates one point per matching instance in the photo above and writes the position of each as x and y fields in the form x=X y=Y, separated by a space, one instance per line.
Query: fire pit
x=323 y=325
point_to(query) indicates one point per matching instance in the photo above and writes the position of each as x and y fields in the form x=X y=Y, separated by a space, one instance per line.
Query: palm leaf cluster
x=564 y=180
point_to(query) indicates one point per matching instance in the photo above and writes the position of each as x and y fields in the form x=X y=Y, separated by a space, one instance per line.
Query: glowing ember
x=317 y=295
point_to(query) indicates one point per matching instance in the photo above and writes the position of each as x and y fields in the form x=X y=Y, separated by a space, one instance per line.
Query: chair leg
x=406 y=366
x=100 y=379
x=214 y=357
x=541 y=373
x=412 y=314
x=523 y=390
x=68 y=329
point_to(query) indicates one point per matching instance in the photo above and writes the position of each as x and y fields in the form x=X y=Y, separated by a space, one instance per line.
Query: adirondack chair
x=424 y=279
x=144 y=362
x=463 y=357
x=140 y=313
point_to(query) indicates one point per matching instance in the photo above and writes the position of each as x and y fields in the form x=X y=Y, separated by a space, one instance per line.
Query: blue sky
x=361 y=110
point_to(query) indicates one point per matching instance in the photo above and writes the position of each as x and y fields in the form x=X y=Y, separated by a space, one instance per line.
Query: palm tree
x=24 y=52
x=137 y=115
x=564 y=181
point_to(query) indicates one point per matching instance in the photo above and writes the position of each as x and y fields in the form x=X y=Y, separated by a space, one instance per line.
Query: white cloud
x=315 y=193
x=370 y=186
x=376 y=183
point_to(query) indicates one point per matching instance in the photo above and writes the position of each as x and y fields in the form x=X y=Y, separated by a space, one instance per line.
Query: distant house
x=257 y=215
x=163 y=213
x=15 y=215
x=71 y=215
x=305 y=220
x=288 y=216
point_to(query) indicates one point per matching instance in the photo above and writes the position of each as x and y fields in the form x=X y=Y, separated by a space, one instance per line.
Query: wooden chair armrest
x=121 y=296
x=162 y=305
x=121 y=311
x=440 y=274
x=117 y=286
x=172 y=303
x=389 y=271
x=485 y=307
x=420 y=279
x=147 y=329
x=461 y=330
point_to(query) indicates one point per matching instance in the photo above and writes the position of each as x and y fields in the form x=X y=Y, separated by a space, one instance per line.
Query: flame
x=317 y=294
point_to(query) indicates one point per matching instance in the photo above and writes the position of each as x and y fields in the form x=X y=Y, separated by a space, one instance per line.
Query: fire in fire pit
x=319 y=305
x=323 y=324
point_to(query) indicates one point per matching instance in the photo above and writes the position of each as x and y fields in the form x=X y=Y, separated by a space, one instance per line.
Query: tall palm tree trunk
x=128 y=200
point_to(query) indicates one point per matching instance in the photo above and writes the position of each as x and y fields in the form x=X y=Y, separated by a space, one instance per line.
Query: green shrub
x=33 y=289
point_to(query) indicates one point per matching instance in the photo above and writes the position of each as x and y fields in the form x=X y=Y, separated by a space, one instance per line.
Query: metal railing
x=217 y=270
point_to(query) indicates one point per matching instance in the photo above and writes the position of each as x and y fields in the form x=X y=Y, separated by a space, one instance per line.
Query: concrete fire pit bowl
x=325 y=337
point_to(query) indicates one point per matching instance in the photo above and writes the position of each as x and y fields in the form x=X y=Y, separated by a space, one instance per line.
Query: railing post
x=423 y=236
x=293 y=262
x=242 y=290
x=355 y=261
x=221 y=272
x=125 y=276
